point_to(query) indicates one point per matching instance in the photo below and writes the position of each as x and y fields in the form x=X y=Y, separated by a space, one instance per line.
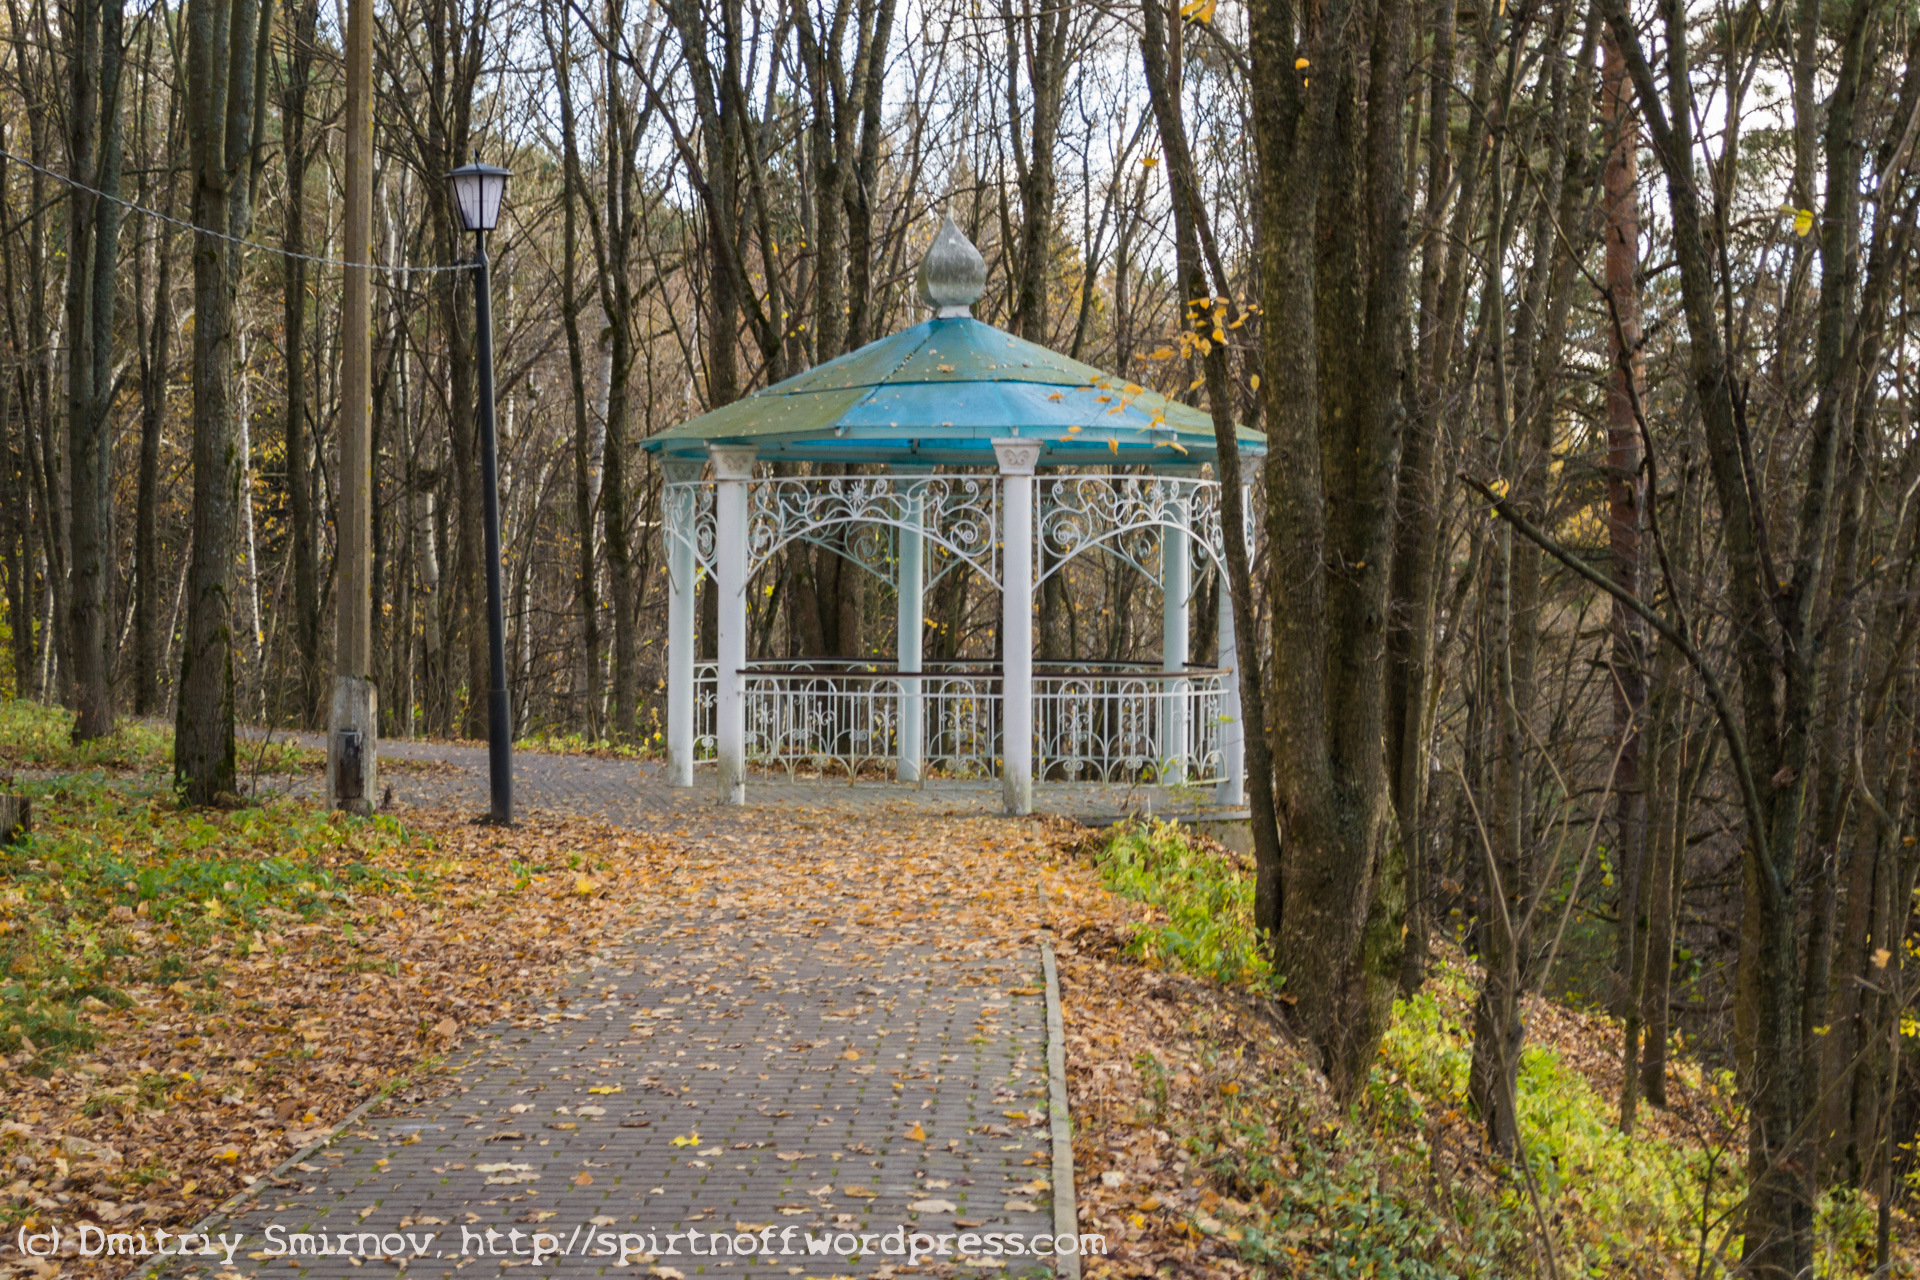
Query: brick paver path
x=635 y=793
x=700 y=1101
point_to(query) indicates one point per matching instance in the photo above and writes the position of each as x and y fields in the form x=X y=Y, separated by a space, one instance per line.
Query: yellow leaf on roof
x=1114 y=447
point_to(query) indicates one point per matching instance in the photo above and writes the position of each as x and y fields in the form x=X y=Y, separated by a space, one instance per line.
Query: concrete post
x=1017 y=461
x=910 y=616
x=353 y=728
x=353 y=738
x=680 y=507
x=732 y=469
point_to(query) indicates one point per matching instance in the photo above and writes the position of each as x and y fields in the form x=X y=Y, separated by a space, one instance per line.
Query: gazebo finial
x=953 y=275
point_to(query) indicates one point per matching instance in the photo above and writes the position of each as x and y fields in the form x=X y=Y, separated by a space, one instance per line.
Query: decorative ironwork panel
x=689 y=521
x=1127 y=517
x=959 y=520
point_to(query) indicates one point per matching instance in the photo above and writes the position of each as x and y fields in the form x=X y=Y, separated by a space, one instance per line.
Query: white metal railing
x=844 y=720
x=1127 y=726
x=706 y=693
x=1094 y=723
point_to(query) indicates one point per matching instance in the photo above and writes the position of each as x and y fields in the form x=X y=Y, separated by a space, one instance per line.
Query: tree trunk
x=93 y=230
x=1333 y=271
x=226 y=61
x=16 y=548
x=310 y=678
x=156 y=366
x=586 y=571
x=1161 y=59
x=1410 y=639
x=1621 y=318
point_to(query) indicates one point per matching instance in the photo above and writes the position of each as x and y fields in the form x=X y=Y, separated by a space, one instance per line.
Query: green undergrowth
x=119 y=885
x=1207 y=902
x=35 y=736
x=1400 y=1185
x=1617 y=1202
x=552 y=742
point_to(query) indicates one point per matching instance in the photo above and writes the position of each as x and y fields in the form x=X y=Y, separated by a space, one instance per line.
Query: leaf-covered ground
x=189 y=996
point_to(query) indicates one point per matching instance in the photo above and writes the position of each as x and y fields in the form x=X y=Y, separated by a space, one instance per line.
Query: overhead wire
x=400 y=268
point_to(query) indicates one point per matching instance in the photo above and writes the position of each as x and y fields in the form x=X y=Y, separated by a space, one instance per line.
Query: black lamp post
x=477 y=189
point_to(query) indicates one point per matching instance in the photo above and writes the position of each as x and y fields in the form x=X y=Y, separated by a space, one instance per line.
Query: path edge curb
x=1066 y=1218
x=226 y=1208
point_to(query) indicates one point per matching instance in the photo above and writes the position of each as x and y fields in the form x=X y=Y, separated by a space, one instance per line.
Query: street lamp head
x=476 y=190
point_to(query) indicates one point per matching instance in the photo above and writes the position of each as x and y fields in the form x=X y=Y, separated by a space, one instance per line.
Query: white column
x=1176 y=587
x=1231 y=790
x=911 y=614
x=732 y=469
x=1017 y=461
x=681 y=507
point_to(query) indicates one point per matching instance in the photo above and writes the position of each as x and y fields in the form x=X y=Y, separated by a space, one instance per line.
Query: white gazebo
x=1001 y=459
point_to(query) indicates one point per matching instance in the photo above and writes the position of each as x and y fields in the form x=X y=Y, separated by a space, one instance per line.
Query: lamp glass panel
x=492 y=187
x=466 y=198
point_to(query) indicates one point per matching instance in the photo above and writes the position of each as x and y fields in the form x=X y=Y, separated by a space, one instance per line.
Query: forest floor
x=189 y=997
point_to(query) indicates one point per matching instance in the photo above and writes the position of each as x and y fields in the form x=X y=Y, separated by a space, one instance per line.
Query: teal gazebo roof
x=943 y=390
